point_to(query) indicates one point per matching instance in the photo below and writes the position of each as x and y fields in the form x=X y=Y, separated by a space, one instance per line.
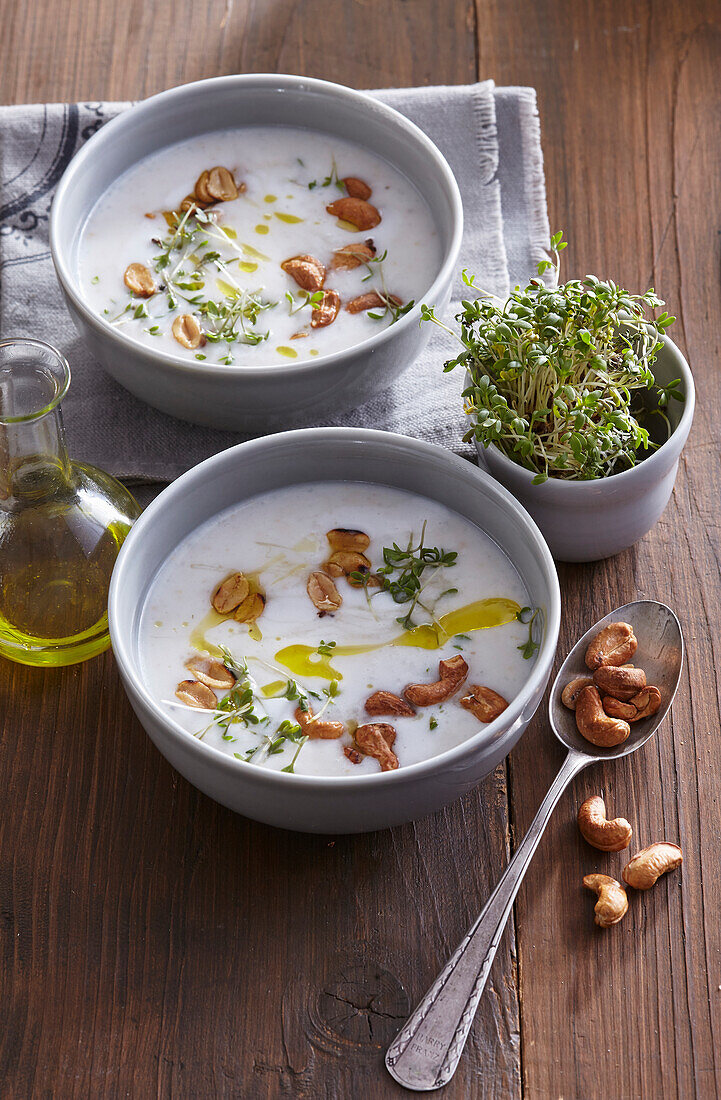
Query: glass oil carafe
x=61 y=522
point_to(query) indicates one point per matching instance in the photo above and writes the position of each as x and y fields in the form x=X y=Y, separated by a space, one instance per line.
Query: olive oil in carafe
x=61 y=522
x=56 y=559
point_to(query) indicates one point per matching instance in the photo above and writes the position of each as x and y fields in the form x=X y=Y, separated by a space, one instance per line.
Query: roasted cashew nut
x=195 y=694
x=221 y=185
x=211 y=672
x=616 y=709
x=647 y=702
x=594 y=724
x=346 y=538
x=139 y=279
x=385 y=702
x=230 y=593
x=614 y=645
x=642 y=705
x=323 y=592
x=346 y=561
x=357 y=188
x=621 y=683
x=612 y=899
x=607 y=836
x=363 y=215
x=326 y=311
x=251 y=608
x=307 y=271
x=451 y=672
x=351 y=256
x=187 y=331
x=316 y=728
x=569 y=695
x=376 y=739
x=483 y=702
x=649 y=864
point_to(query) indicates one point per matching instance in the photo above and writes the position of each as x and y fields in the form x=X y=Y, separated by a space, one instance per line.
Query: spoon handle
x=425 y=1053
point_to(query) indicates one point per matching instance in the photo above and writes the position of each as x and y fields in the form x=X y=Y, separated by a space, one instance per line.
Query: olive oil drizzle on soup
x=287 y=653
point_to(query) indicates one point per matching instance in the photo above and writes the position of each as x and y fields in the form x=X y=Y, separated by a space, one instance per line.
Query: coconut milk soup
x=335 y=629
x=257 y=246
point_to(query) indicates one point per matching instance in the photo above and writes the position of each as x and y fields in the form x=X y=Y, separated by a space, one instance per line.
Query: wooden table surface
x=155 y=943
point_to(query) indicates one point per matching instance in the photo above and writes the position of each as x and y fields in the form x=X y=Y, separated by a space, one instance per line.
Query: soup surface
x=170 y=263
x=301 y=676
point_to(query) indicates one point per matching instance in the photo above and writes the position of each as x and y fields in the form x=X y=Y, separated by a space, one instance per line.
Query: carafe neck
x=34 y=464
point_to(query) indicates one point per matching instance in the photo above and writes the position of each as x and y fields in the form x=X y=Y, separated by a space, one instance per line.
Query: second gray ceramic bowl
x=244 y=397
x=588 y=520
x=330 y=804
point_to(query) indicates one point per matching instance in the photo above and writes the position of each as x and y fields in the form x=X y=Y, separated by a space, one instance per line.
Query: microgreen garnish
x=404 y=573
x=239 y=706
x=433 y=722
x=331 y=178
x=291 y=767
x=326 y=648
x=377 y=260
x=554 y=370
x=390 y=306
x=233 y=318
x=294 y=691
x=304 y=299
x=527 y=615
x=247 y=755
x=186 y=263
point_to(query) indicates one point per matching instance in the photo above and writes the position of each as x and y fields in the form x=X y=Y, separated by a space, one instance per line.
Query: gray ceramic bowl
x=242 y=397
x=588 y=520
x=330 y=804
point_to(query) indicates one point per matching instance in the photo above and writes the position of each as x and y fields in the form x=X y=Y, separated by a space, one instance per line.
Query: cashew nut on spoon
x=425 y=1053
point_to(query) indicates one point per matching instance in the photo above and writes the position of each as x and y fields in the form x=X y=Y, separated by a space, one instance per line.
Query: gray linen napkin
x=491 y=138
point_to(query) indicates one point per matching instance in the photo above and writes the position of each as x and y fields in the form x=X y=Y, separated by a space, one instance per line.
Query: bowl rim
x=281 y=82
x=173 y=496
x=509 y=468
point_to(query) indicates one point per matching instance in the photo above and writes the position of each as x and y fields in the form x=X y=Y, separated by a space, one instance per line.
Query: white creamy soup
x=329 y=659
x=223 y=248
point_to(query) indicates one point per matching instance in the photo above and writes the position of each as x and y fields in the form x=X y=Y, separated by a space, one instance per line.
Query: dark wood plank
x=77 y=51
x=631 y=110
x=152 y=941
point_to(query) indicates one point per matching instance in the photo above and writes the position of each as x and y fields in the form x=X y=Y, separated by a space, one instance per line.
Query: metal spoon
x=425 y=1053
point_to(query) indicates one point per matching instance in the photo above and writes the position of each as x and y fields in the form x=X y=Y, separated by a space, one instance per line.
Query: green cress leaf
x=558 y=372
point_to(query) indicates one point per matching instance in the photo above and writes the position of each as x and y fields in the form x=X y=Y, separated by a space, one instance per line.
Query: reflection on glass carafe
x=61 y=522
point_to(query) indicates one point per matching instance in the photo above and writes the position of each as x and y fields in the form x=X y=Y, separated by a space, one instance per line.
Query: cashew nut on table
x=612 y=899
x=650 y=863
x=606 y=835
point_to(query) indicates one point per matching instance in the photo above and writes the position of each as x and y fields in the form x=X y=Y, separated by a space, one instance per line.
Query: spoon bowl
x=660 y=654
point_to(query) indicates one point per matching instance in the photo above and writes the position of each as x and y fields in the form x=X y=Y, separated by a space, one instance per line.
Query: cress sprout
x=558 y=373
